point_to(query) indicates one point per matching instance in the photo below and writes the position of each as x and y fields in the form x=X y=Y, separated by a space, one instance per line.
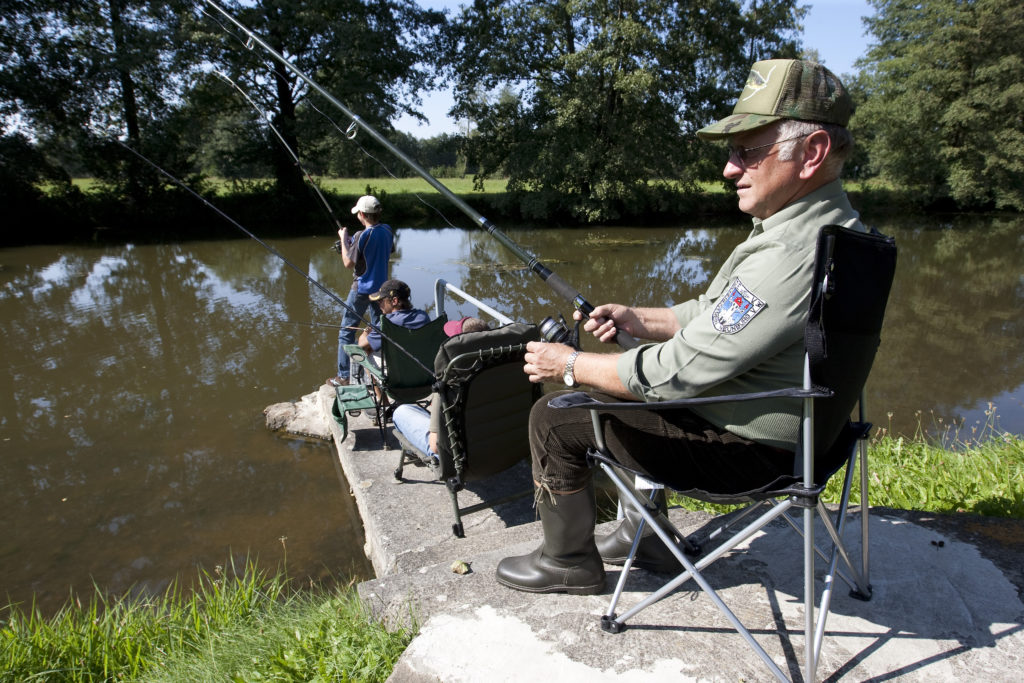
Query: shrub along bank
x=86 y=212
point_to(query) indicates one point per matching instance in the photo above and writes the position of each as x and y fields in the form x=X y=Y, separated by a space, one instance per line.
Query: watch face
x=569 y=380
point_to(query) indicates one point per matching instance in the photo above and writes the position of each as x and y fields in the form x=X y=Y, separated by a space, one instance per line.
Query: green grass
x=353 y=186
x=243 y=626
x=980 y=471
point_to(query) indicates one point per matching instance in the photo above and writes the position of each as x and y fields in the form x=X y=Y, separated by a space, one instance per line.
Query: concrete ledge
x=938 y=613
x=946 y=605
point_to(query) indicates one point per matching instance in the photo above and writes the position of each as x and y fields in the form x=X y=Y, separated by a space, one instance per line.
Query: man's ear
x=816 y=148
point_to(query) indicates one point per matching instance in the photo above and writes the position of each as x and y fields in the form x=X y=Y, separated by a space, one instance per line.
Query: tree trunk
x=129 y=105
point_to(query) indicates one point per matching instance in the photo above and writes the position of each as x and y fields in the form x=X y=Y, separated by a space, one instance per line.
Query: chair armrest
x=579 y=399
x=359 y=355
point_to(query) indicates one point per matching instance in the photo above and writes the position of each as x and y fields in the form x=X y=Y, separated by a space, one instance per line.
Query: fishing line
x=266 y=119
x=352 y=138
x=279 y=321
x=559 y=285
x=349 y=134
x=273 y=251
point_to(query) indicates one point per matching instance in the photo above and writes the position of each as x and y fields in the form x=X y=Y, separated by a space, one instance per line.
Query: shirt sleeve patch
x=737 y=308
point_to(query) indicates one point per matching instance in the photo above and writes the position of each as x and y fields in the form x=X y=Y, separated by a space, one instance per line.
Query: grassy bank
x=244 y=626
x=979 y=472
x=247 y=625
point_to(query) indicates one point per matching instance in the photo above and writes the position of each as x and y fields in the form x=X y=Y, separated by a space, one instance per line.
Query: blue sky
x=832 y=27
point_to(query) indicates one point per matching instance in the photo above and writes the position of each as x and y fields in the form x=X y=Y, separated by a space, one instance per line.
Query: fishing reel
x=336 y=246
x=557 y=331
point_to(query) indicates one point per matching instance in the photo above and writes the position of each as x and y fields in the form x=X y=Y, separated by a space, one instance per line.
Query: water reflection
x=132 y=432
x=133 y=446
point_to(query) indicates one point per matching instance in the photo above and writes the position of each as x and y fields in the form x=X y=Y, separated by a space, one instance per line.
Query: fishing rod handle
x=563 y=288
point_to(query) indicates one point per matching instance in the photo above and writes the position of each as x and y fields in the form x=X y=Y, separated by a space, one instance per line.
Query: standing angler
x=787 y=144
x=367 y=253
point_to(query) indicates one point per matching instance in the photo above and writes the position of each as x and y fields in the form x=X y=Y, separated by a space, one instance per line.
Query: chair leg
x=615 y=624
x=401 y=465
x=454 y=486
x=651 y=554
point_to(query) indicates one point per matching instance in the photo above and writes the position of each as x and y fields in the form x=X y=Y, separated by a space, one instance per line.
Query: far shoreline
x=85 y=214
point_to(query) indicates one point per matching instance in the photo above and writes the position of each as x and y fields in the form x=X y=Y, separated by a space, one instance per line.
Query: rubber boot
x=567 y=561
x=652 y=553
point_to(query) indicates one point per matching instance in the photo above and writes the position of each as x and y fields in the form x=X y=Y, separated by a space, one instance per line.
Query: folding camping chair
x=404 y=375
x=485 y=401
x=852 y=278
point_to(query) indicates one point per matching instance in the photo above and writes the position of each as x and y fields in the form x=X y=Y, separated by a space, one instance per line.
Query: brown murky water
x=132 y=442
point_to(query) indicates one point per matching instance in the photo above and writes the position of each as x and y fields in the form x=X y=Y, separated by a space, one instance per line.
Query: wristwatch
x=568 y=377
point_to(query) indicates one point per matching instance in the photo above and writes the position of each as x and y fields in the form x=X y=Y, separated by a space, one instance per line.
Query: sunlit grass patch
x=978 y=470
x=246 y=625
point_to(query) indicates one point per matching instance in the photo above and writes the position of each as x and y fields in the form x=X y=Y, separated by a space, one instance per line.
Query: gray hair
x=842 y=141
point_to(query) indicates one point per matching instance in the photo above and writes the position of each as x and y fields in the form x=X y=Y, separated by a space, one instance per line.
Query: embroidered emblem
x=737 y=308
x=756 y=82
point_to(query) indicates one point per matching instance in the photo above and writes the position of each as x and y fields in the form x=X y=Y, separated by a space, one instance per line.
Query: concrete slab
x=408 y=523
x=938 y=613
x=947 y=597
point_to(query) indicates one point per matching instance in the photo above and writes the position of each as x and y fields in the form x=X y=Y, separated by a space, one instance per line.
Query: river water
x=132 y=436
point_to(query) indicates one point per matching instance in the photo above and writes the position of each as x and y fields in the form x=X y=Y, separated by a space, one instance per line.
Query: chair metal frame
x=804 y=496
x=801 y=492
x=393 y=391
x=455 y=377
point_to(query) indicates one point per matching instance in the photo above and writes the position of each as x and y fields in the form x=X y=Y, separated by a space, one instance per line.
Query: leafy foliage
x=590 y=106
x=943 y=109
x=372 y=56
x=980 y=471
x=77 y=73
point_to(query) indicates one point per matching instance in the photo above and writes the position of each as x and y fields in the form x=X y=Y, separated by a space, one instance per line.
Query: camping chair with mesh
x=852 y=278
x=404 y=376
x=485 y=400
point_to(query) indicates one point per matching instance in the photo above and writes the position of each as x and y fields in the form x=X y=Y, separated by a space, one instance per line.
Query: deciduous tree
x=944 y=100
x=609 y=93
x=369 y=54
x=78 y=73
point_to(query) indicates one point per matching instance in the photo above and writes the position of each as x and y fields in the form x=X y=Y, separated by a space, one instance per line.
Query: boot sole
x=557 y=588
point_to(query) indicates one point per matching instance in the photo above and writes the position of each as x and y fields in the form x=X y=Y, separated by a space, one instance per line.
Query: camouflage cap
x=784 y=89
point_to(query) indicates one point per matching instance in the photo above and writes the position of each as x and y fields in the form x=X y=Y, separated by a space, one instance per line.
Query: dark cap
x=785 y=89
x=392 y=288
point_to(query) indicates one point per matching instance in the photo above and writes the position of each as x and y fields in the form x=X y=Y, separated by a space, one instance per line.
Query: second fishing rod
x=557 y=283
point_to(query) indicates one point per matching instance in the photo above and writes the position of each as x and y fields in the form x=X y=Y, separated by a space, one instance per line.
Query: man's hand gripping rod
x=560 y=286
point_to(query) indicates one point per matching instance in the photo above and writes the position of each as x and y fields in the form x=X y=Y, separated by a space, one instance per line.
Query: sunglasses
x=746 y=157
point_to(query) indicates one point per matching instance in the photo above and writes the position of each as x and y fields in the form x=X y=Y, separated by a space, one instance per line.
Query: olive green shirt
x=745 y=333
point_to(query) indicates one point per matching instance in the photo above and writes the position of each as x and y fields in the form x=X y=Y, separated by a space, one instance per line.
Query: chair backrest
x=853 y=274
x=408 y=379
x=485 y=401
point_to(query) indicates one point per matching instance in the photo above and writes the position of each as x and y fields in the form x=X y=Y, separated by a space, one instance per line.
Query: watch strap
x=570 y=365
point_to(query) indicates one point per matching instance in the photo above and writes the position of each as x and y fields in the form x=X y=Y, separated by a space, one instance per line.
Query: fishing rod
x=556 y=282
x=304 y=323
x=287 y=147
x=273 y=251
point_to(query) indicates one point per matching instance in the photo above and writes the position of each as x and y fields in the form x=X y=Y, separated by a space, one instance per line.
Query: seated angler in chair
x=787 y=143
x=476 y=428
x=407 y=340
x=393 y=297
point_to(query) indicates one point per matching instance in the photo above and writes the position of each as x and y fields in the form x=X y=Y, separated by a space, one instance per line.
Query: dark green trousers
x=675 y=447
